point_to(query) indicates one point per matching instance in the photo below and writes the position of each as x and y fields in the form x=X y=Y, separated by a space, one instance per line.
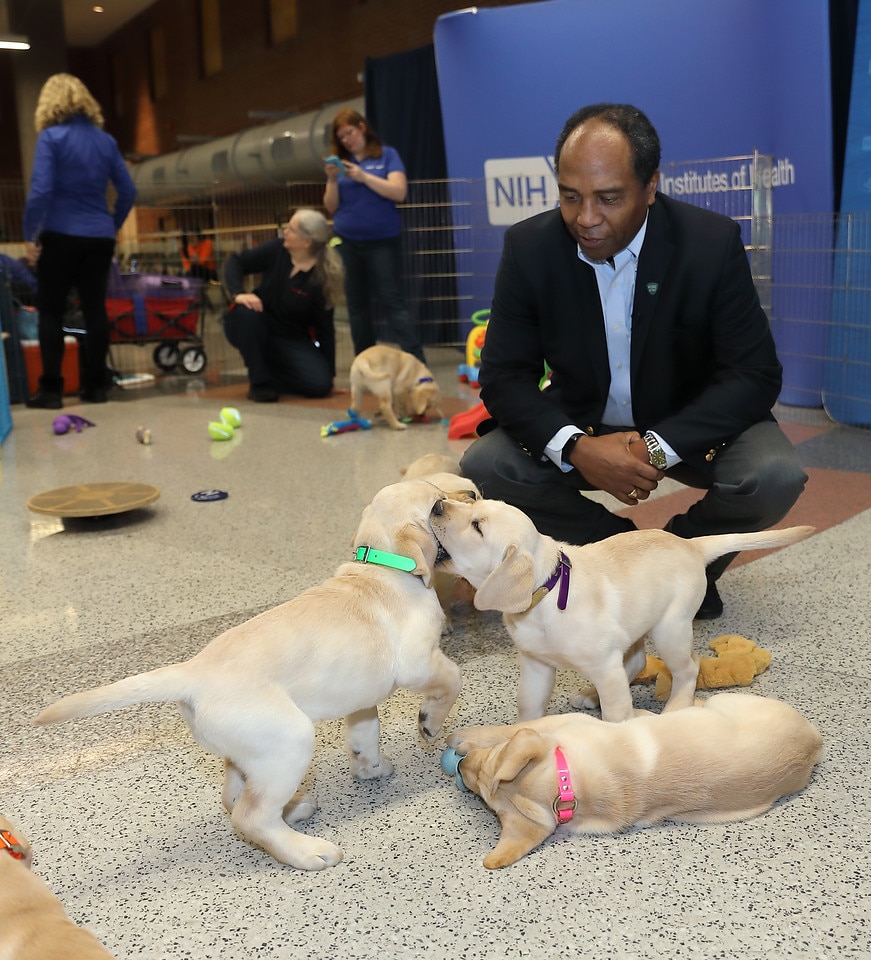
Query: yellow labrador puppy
x=729 y=758
x=445 y=473
x=34 y=925
x=588 y=608
x=430 y=463
x=254 y=694
x=403 y=386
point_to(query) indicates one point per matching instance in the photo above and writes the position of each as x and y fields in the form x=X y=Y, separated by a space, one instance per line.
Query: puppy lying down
x=34 y=924
x=727 y=758
x=254 y=694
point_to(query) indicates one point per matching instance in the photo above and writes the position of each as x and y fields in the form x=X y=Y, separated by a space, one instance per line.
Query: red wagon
x=168 y=311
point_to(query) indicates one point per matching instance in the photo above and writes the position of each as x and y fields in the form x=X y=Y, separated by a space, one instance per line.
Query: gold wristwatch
x=655 y=453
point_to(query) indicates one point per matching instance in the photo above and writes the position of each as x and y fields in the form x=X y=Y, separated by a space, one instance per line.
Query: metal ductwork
x=290 y=149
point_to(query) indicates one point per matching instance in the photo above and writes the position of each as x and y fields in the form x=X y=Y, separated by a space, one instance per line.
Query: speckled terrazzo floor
x=124 y=810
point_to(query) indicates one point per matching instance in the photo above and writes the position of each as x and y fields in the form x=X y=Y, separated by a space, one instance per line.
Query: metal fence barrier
x=813 y=271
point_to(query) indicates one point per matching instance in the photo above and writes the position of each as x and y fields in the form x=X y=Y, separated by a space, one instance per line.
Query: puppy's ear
x=526 y=746
x=420 y=546
x=509 y=587
x=523 y=805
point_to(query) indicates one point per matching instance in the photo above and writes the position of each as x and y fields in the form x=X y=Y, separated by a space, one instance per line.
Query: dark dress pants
x=751 y=485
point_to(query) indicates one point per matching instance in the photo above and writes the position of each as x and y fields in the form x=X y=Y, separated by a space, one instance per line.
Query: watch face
x=655 y=453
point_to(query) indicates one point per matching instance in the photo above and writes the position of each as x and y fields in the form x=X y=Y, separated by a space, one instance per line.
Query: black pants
x=65 y=262
x=373 y=268
x=289 y=366
x=751 y=485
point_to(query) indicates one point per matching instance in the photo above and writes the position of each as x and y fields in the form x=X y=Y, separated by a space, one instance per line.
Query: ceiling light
x=13 y=41
x=99 y=9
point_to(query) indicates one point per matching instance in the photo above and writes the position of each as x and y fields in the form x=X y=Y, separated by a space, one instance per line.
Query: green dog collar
x=384 y=559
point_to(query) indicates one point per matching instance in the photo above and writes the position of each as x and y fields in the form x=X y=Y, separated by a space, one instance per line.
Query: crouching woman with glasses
x=284 y=327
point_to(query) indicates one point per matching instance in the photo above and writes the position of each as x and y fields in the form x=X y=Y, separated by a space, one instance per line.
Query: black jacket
x=703 y=361
x=296 y=304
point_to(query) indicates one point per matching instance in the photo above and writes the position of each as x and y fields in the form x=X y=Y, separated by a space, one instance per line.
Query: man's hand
x=618 y=464
x=32 y=252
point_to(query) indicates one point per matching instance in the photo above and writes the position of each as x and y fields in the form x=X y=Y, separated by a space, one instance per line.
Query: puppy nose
x=437 y=509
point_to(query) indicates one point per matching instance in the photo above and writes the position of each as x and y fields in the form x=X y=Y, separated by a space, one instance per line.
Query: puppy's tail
x=163 y=685
x=717 y=546
x=363 y=368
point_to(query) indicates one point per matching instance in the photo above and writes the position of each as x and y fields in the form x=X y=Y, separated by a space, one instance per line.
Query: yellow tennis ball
x=220 y=430
x=232 y=417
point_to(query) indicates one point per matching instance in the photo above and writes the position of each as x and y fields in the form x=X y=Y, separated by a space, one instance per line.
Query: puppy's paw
x=585 y=699
x=312 y=854
x=363 y=768
x=303 y=806
x=427 y=726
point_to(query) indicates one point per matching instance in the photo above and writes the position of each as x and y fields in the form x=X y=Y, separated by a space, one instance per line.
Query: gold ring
x=633 y=494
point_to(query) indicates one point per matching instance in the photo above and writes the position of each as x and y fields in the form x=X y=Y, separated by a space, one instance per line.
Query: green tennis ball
x=232 y=417
x=220 y=430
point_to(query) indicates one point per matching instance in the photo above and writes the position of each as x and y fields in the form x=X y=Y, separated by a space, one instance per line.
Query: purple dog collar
x=562 y=574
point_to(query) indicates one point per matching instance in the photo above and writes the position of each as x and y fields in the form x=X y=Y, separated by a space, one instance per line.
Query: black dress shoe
x=263 y=394
x=712 y=605
x=44 y=400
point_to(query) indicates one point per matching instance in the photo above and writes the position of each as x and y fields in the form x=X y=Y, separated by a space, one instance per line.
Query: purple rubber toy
x=66 y=421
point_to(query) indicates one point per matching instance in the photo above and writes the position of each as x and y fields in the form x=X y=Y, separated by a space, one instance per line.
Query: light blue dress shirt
x=616 y=280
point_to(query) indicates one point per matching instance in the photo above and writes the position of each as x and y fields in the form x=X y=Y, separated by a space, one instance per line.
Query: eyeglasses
x=289 y=229
x=347 y=133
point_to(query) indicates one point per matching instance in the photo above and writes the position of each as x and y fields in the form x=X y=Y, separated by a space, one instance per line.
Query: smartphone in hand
x=334 y=161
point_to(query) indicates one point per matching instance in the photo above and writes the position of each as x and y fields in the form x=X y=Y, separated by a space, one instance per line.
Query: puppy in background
x=727 y=758
x=33 y=924
x=403 y=386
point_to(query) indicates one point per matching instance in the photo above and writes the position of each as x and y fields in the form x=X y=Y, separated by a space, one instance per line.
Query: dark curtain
x=403 y=106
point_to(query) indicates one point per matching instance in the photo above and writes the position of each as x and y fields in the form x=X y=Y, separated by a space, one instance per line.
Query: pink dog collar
x=565 y=804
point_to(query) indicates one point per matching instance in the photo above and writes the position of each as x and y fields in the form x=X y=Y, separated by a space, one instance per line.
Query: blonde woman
x=284 y=327
x=69 y=231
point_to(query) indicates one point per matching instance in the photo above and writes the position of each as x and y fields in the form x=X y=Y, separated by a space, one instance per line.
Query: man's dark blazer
x=703 y=362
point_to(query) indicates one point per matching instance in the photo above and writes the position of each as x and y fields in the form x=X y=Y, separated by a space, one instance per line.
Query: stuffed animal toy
x=736 y=662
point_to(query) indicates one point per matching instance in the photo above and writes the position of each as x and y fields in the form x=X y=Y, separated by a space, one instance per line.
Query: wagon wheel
x=166 y=356
x=193 y=359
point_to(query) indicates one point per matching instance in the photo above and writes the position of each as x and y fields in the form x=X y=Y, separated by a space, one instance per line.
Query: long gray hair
x=328 y=270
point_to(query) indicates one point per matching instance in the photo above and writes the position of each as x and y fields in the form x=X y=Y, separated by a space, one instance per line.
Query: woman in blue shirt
x=69 y=231
x=361 y=197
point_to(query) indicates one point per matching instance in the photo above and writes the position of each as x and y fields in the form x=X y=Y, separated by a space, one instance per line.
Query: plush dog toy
x=736 y=662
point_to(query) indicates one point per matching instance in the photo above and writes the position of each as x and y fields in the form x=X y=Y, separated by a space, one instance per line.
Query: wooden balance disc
x=93 y=499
